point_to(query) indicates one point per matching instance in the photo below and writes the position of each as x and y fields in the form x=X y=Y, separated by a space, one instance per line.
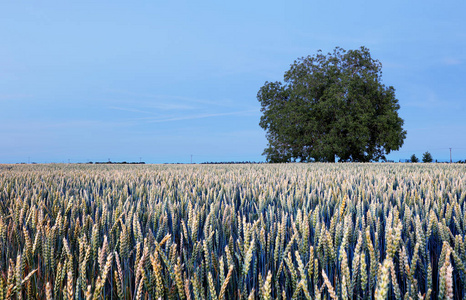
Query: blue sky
x=124 y=80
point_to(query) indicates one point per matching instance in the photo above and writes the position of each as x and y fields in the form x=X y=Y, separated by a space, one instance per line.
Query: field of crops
x=290 y=231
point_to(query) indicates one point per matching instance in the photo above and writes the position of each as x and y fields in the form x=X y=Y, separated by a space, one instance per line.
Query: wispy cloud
x=47 y=125
x=147 y=108
x=166 y=101
x=452 y=61
x=133 y=110
x=424 y=97
x=14 y=96
x=202 y=116
x=18 y=127
x=429 y=101
x=394 y=65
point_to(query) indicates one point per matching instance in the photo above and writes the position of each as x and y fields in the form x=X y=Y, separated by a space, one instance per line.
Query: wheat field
x=284 y=231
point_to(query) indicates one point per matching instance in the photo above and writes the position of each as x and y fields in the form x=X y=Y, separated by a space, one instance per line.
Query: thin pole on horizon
x=450 y=155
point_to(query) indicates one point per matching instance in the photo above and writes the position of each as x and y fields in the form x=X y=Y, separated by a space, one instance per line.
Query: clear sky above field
x=163 y=80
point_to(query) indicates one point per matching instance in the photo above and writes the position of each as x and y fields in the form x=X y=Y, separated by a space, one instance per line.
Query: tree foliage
x=331 y=105
x=427 y=157
x=414 y=158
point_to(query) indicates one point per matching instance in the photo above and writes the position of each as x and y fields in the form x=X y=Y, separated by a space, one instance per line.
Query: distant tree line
x=116 y=163
x=426 y=158
x=231 y=163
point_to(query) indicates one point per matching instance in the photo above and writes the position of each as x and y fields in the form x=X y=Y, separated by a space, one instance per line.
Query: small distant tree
x=427 y=157
x=414 y=159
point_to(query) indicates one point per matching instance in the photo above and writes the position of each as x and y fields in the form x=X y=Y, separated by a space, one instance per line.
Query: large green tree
x=331 y=106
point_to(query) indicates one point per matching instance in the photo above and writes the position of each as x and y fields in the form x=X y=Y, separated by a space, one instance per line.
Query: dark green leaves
x=331 y=106
x=427 y=157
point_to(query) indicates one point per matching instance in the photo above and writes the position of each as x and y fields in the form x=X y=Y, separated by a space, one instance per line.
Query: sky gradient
x=161 y=81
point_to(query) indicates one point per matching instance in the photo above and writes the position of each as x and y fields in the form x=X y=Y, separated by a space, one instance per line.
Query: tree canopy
x=331 y=106
x=427 y=157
